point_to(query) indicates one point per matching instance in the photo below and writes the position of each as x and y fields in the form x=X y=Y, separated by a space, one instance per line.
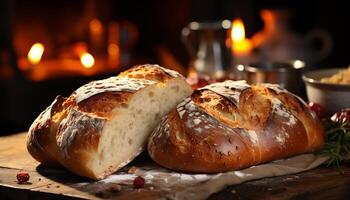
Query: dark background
x=159 y=25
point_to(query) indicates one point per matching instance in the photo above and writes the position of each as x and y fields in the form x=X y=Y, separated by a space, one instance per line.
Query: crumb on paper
x=132 y=170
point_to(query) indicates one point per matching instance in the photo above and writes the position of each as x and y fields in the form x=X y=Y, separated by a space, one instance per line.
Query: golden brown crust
x=68 y=131
x=40 y=137
x=230 y=126
x=149 y=72
x=77 y=136
x=102 y=104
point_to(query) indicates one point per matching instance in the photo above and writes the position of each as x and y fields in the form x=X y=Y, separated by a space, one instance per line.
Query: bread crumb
x=132 y=170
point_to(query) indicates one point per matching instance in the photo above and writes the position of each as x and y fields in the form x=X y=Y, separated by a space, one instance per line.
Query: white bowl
x=332 y=97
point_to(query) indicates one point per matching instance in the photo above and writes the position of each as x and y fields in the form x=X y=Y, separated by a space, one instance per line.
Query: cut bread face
x=125 y=134
x=105 y=124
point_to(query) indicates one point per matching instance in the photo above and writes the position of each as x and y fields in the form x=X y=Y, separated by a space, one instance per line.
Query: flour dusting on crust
x=181 y=106
x=113 y=84
x=75 y=125
x=170 y=72
x=229 y=89
x=280 y=110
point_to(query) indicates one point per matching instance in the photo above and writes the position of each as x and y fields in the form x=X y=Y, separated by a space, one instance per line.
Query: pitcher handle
x=326 y=42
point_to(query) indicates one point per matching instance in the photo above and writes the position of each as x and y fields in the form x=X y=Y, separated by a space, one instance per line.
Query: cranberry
x=22 y=177
x=203 y=81
x=197 y=82
x=317 y=108
x=139 y=182
x=342 y=116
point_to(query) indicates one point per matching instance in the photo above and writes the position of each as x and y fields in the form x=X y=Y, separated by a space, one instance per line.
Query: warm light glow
x=113 y=50
x=238 y=31
x=270 y=22
x=194 y=25
x=113 y=54
x=226 y=24
x=87 y=60
x=298 y=64
x=35 y=53
x=240 y=45
x=240 y=68
x=95 y=26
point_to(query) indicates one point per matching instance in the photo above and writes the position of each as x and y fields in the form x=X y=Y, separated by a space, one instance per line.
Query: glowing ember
x=113 y=50
x=87 y=60
x=35 y=53
x=95 y=26
x=239 y=43
x=113 y=54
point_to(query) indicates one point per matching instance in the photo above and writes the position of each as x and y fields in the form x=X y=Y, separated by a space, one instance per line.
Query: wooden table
x=57 y=183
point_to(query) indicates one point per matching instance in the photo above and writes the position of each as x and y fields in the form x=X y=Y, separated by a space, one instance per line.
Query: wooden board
x=13 y=153
x=54 y=183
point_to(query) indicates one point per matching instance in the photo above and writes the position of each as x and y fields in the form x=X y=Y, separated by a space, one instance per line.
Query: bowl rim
x=259 y=66
x=308 y=80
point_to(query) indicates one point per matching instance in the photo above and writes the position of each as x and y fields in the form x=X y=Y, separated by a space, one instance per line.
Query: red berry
x=22 y=177
x=139 y=182
x=197 y=81
x=317 y=108
x=342 y=116
x=203 y=81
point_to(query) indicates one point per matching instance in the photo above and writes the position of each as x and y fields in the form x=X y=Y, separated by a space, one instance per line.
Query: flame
x=35 y=53
x=239 y=43
x=269 y=27
x=87 y=60
x=238 y=31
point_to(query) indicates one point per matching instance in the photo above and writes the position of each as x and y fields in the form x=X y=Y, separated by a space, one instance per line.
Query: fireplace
x=53 y=47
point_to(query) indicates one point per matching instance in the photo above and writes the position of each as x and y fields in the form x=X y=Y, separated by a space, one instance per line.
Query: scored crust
x=232 y=125
x=69 y=132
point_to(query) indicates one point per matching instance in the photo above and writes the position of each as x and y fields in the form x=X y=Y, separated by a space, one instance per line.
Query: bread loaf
x=104 y=124
x=233 y=125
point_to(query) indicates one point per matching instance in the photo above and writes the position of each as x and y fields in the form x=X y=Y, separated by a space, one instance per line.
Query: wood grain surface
x=57 y=183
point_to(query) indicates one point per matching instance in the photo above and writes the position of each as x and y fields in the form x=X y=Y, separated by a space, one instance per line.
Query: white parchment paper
x=200 y=186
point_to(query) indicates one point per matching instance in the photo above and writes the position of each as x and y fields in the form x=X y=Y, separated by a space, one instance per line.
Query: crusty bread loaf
x=233 y=125
x=104 y=124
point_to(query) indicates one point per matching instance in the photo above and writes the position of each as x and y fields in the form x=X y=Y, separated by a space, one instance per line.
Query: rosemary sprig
x=337 y=142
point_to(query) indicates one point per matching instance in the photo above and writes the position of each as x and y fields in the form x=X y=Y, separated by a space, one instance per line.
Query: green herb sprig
x=337 y=142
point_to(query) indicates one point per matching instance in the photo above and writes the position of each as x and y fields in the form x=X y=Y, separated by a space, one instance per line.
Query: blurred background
x=52 y=47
